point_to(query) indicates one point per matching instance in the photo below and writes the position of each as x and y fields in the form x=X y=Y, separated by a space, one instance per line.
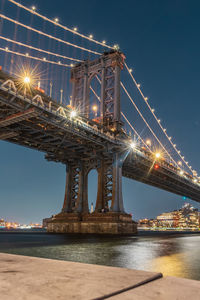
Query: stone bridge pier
x=109 y=216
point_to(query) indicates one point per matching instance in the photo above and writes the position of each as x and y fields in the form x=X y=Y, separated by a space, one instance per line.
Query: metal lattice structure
x=34 y=120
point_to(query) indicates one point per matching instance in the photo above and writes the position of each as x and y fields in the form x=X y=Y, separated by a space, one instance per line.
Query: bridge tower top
x=106 y=69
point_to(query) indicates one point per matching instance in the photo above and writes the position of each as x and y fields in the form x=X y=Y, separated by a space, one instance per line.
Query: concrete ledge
x=31 y=278
x=164 y=289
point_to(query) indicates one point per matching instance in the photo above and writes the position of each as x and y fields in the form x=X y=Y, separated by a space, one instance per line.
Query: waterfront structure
x=70 y=135
x=187 y=217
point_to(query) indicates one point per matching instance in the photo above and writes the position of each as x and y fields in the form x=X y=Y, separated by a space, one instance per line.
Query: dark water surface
x=173 y=254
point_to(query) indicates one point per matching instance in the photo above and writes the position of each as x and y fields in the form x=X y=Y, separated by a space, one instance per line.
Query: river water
x=173 y=254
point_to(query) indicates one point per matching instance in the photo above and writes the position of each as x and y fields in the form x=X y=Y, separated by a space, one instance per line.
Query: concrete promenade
x=31 y=278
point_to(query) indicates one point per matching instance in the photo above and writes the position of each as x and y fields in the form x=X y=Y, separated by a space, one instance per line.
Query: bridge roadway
x=36 y=121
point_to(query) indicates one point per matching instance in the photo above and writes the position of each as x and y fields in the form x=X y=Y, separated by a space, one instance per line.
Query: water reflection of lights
x=171 y=265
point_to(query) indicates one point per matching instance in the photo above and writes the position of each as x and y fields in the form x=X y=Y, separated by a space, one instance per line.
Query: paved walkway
x=31 y=278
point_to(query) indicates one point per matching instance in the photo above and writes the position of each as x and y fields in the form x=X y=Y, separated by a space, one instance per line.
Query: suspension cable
x=48 y=35
x=147 y=124
x=35 y=58
x=158 y=121
x=60 y=25
x=123 y=115
x=38 y=49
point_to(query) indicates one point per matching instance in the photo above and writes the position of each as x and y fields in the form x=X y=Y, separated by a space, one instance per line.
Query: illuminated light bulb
x=73 y=114
x=44 y=58
x=56 y=20
x=175 y=145
x=133 y=145
x=170 y=138
x=138 y=85
x=71 y=65
x=159 y=121
x=91 y=36
x=146 y=98
x=75 y=28
x=95 y=108
x=104 y=42
x=148 y=142
x=6 y=48
x=195 y=180
x=181 y=172
x=156 y=166
x=27 y=54
x=158 y=155
x=33 y=7
x=116 y=47
x=164 y=129
x=59 y=62
x=130 y=70
x=179 y=163
x=27 y=79
x=153 y=110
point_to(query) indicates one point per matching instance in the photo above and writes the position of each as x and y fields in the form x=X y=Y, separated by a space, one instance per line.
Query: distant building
x=2 y=223
x=187 y=217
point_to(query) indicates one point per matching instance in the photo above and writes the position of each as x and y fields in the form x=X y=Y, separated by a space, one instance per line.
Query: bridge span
x=68 y=135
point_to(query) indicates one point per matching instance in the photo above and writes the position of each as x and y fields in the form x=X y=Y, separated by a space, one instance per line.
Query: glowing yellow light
x=130 y=70
x=75 y=28
x=56 y=20
x=179 y=163
x=71 y=65
x=148 y=142
x=27 y=79
x=138 y=85
x=146 y=98
x=157 y=155
x=33 y=7
x=94 y=108
x=104 y=42
x=181 y=172
x=195 y=180
x=133 y=145
x=116 y=47
x=90 y=36
x=73 y=114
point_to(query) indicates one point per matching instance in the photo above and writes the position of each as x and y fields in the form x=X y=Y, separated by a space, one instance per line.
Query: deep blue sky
x=161 y=40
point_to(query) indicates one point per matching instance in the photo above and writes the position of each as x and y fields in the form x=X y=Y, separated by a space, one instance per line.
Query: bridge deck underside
x=63 y=139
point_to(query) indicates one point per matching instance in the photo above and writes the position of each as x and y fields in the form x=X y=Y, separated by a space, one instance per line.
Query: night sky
x=161 y=41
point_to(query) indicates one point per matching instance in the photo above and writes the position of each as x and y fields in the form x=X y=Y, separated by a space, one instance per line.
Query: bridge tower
x=109 y=216
x=107 y=70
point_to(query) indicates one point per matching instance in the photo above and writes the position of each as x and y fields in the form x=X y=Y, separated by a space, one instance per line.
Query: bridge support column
x=117 y=198
x=76 y=189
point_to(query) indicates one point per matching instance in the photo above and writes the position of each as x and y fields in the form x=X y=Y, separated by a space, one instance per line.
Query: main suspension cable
x=158 y=121
x=89 y=38
x=48 y=35
x=38 y=49
x=35 y=58
x=147 y=124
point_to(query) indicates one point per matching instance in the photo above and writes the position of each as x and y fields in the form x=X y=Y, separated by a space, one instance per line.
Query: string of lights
x=158 y=120
x=123 y=115
x=38 y=49
x=56 y=22
x=48 y=35
x=147 y=124
x=135 y=131
x=35 y=58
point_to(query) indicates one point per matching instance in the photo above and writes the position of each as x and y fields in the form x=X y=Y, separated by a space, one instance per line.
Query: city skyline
x=32 y=188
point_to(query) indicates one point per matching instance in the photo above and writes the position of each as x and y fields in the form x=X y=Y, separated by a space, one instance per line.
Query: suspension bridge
x=72 y=101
